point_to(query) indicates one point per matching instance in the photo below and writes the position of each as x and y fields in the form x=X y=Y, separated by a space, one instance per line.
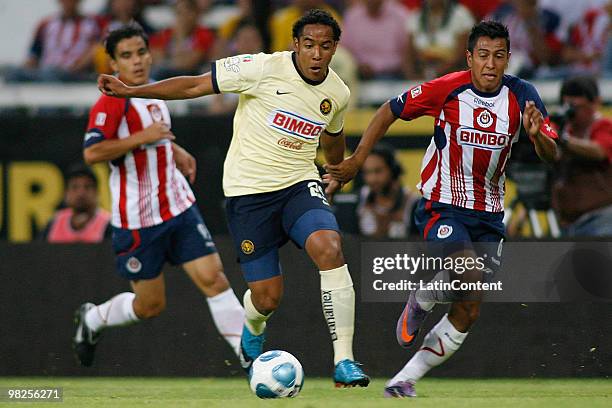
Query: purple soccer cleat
x=401 y=389
x=410 y=322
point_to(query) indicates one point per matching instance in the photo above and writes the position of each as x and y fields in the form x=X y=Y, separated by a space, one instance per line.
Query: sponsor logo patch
x=416 y=91
x=325 y=106
x=295 y=125
x=444 y=231
x=291 y=144
x=479 y=101
x=100 y=119
x=133 y=265
x=485 y=140
x=247 y=247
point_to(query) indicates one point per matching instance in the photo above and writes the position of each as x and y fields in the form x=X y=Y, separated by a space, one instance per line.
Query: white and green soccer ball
x=276 y=374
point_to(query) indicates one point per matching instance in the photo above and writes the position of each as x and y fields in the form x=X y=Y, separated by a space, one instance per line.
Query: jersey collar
x=308 y=81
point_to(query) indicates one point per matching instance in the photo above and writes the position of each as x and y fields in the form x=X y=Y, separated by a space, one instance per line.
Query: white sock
x=338 y=302
x=228 y=316
x=439 y=344
x=255 y=321
x=118 y=311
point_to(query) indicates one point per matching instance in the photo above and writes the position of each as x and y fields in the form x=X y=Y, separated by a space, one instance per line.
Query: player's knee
x=267 y=302
x=326 y=249
x=213 y=279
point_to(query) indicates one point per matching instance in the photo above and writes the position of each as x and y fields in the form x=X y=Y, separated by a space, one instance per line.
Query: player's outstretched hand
x=185 y=162
x=112 y=86
x=532 y=119
x=344 y=171
x=331 y=186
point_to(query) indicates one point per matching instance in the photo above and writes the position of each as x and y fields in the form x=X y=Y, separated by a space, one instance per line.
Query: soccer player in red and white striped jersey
x=154 y=218
x=478 y=114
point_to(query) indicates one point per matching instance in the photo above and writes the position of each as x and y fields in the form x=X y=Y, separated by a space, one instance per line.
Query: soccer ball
x=276 y=374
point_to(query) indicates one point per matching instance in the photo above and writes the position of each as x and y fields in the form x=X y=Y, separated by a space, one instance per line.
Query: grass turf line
x=319 y=392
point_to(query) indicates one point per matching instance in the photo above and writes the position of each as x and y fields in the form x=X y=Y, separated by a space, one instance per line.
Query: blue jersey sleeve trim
x=397 y=104
x=524 y=91
x=213 y=74
x=92 y=137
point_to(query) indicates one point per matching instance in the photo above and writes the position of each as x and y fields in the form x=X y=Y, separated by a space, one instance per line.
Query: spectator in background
x=533 y=31
x=62 y=48
x=375 y=34
x=82 y=220
x=227 y=32
x=438 y=34
x=281 y=22
x=246 y=40
x=587 y=44
x=182 y=49
x=118 y=13
x=582 y=193
x=480 y=8
x=385 y=207
x=122 y=12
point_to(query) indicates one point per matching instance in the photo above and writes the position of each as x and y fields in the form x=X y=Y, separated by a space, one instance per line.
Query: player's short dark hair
x=127 y=31
x=491 y=29
x=317 y=16
x=80 y=170
x=585 y=85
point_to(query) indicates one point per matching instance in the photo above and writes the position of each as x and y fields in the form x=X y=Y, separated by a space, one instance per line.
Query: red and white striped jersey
x=474 y=131
x=60 y=42
x=146 y=187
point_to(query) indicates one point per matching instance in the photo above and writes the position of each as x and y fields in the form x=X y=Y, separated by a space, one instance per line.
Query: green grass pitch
x=319 y=392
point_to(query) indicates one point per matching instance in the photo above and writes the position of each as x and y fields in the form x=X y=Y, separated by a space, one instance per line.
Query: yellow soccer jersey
x=278 y=122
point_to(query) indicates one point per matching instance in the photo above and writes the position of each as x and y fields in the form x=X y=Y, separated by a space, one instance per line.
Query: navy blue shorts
x=462 y=228
x=261 y=223
x=141 y=253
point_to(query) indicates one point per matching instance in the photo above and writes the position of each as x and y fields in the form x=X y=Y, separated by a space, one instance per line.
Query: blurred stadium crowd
x=382 y=39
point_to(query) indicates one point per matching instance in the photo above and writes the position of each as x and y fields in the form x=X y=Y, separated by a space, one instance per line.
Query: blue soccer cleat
x=348 y=373
x=251 y=346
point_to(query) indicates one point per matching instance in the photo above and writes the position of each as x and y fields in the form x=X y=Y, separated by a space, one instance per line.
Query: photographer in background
x=82 y=220
x=385 y=206
x=582 y=192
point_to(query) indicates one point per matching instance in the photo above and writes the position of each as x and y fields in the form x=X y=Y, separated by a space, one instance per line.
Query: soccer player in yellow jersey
x=289 y=103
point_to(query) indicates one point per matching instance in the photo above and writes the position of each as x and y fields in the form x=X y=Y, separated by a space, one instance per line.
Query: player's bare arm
x=583 y=148
x=185 y=162
x=181 y=87
x=333 y=148
x=114 y=148
x=545 y=147
x=347 y=169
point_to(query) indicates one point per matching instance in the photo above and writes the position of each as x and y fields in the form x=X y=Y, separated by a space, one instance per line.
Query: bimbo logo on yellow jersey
x=295 y=125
